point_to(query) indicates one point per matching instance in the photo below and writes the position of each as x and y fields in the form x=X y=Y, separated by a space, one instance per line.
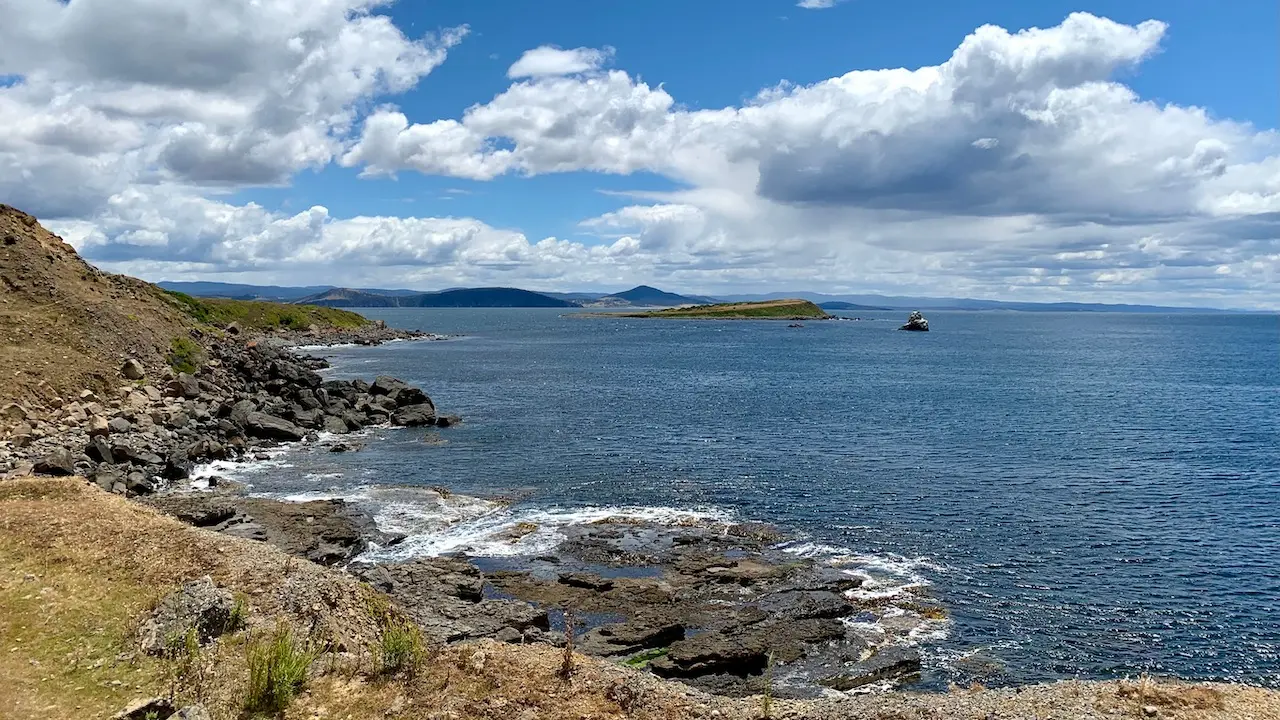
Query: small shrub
x=277 y=671
x=185 y=355
x=402 y=648
x=239 y=617
x=566 y=663
x=187 y=667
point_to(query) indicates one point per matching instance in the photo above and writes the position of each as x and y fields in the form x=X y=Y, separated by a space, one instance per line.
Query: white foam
x=486 y=529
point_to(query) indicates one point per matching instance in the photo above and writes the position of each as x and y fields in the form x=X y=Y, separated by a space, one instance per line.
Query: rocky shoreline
x=718 y=606
x=250 y=394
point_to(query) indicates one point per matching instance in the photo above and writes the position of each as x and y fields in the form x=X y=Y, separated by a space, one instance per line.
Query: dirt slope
x=66 y=326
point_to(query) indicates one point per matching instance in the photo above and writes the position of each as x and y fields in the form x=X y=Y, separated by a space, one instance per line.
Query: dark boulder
x=415 y=415
x=387 y=385
x=409 y=396
x=270 y=427
x=60 y=462
x=916 y=322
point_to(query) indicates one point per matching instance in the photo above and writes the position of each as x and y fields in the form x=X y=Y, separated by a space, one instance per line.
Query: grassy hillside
x=767 y=310
x=66 y=326
x=261 y=315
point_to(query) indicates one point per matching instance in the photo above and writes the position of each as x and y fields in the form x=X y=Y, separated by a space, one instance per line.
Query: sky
x=1121 y=151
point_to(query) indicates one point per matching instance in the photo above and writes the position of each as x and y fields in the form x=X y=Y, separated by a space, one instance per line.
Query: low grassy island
x=791 y=309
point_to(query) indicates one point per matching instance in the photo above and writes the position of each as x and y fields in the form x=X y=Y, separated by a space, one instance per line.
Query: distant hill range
x=459 y=298
x=640 y=296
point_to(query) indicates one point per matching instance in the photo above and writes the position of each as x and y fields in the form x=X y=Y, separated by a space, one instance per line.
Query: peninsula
x=789 y=309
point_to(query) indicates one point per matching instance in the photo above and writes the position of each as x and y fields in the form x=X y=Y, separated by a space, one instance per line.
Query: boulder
x=97 y=426
x=415 y=415
x=133 y=369
x=387 y=385
x=198 y=605
x=58 y=462
x=14 y=411
x=916 y=322
x=119 y=425
x=191 y=712
x=270 y=427
x=100 y=450
x=185 y=386
x=409 y=396
x=336 y=425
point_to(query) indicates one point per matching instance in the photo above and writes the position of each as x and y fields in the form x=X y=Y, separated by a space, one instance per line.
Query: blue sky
x=716 y=53
x=356 y=142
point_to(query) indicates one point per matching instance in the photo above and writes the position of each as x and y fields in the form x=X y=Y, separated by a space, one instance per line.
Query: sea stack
x=916 y=322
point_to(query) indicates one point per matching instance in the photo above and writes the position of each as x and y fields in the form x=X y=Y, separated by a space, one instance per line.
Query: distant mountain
x=900 y=302
x=486 y=297
x=841 y=305
x=462 y=297
x=646 y=296
x=348 y=297
x=278 y=293
x=238 y=291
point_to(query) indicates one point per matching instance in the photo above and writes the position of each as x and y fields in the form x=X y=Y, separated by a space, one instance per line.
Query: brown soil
x=79 y=570
x=66 y=326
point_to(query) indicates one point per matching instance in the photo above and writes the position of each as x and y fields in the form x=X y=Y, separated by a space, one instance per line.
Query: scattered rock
x=133 y=369
x=14 y=411
x=58 y=462
x=119 y=425
x=97 y=425
x=146 y=709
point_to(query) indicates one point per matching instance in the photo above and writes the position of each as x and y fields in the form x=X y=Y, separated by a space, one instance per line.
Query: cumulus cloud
x=550 y=60
x=818 y=4
x=1018 y=137
x=1019 y=167
x=199 y=92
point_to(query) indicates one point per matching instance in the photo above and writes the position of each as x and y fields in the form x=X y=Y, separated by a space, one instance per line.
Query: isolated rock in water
x=133 y=369
x=916 y=322
x=58 y=462
x=199 y=605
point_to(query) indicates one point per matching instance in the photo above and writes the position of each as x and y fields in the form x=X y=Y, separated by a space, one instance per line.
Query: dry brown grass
x=79 y=568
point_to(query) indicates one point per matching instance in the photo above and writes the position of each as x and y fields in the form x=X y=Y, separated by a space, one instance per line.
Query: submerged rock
x=916 y=322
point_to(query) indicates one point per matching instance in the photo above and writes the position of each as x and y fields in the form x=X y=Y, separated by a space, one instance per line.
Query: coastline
x=458 y=614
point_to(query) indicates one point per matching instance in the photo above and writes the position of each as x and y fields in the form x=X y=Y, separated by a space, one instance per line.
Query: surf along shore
x=122 y=591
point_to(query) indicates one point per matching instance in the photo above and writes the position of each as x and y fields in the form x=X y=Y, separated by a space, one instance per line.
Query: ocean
x=1089 y=495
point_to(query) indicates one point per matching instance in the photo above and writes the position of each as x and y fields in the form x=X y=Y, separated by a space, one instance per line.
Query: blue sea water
x=1089 y=495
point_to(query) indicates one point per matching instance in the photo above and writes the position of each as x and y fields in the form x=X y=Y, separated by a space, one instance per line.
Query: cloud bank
x=1018 y=168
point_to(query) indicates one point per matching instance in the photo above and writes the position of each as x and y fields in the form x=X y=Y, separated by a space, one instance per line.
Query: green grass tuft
x=185 y=355
x=278 y=667
x=402 y=648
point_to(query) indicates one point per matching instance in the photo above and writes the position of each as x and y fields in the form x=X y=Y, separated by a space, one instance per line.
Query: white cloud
x=200 y=92
x=1019 y=167
x=549 y=60
x=817 y=4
